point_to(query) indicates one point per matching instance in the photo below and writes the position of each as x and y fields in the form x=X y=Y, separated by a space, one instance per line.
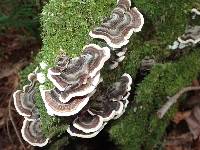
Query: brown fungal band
x=32 y=133
x=117 y=30
x=121 y=88
x=191 y=35
x=82 y=90
x=74 y=73
x=24 y=100
x=98 y=57
x=126 y=4
x=78 y=133
x=55 y=107
x=120 y=113
x=104 y=108
x=79 y=76
x=77 y=70
x=88 y=122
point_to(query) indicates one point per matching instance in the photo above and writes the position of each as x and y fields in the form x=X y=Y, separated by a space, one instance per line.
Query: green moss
x=66 y=25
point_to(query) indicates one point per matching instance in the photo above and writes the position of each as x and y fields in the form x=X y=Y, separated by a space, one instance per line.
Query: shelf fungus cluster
x=110 y=104
x=117 y=29
x=75 y=92
x=75 y=80
x=24 y=101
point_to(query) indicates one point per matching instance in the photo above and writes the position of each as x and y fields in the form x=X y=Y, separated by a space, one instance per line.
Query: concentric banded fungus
x=32 y=133
x=24 y=99
x=121 y=52
x=117 y=55
x=121 y=88
x=88 y=123
x=78 y=133
x=79 y=76
x=126 y=4
x=105 y=108
x=146 y=64
x=191 y=35
x=73 y=74
x=117 y=30
x=113 y=65
x=114 y=102
x=82 y=90
x=105 y=105
x=125 y=104
x=55 y=107
x=98 y=57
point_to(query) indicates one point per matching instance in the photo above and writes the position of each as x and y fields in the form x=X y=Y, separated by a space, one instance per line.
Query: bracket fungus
x=117 y=56
x=146 y=64
x=88 y=122
x=78 y=133
x=110 y=104
x=24 y=100
x=105 y=107
x=75 y=81
x=191 y=35
x=79 y=76
x=55 y=107
x=118 y=28
x=32 y=133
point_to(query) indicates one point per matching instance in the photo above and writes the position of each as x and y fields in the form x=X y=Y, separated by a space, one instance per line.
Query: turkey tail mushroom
x=24 y=100
x=117 y=29
x=32 y=133
x=88 y=122
x=111 y=104
x=55 y=107
x=79 y=76
x=191 y=35
x=78 y=133
x=82 y=90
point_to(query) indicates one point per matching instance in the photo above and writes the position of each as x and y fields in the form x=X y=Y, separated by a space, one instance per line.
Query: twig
x=172 y=100
x=8 y=131
x=13 y=124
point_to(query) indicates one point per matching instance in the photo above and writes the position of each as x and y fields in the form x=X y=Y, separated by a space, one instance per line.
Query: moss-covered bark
x=142 y=127
x=66 y=24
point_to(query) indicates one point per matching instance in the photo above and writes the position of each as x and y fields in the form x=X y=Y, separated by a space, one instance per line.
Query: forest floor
x=17 y=52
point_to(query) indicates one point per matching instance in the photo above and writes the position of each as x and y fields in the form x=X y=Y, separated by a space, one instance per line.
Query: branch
x=172 y=100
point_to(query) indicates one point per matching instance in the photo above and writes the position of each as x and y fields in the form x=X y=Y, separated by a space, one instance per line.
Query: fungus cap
x=32 y=133
x=88 y=122
x=24 y=100
x=191 y=35
x=117 y=30
x=55 y=107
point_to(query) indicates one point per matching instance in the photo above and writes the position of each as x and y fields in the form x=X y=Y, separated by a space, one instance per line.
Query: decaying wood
x=172 y=100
